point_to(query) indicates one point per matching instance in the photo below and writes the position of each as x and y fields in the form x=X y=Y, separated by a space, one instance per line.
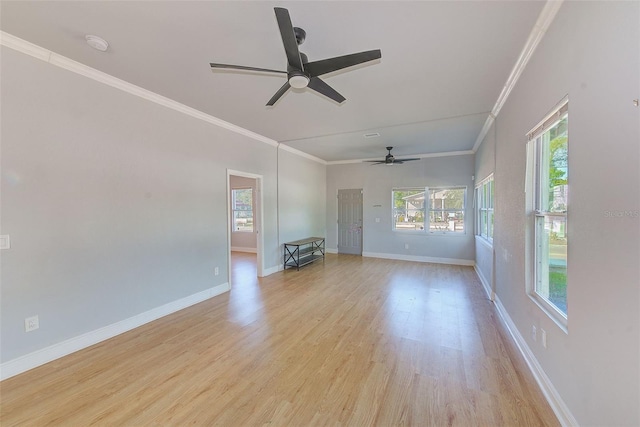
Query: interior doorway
x=350 y=221
x=245 y=219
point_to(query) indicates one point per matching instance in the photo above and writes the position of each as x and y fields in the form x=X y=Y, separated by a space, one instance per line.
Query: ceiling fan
x=300 y=72
x=390 y=160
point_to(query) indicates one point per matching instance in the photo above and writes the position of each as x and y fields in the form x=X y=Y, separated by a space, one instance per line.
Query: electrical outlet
x=406 y=246
x=543 y=337
x=31 y=323
x=216 y=271
x=534 y=333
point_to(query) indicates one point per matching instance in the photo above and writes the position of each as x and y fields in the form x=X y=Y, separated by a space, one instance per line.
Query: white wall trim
x=485 y=283
x=331 y=250
x=53 y=58
x=56 y=351
x=558 y=406
x=301 y=153
x=241 y=249
x=400 y=257
x=538 y=31
x=271 y=270
x=259 y=216
x=420 y=156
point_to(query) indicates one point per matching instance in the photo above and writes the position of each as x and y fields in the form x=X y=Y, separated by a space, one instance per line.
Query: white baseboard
x=56 y=351
x=271 y=270
x=331 y=250
x=485 y=283
x=550 y=393
x=400 y=257
x=240 y=249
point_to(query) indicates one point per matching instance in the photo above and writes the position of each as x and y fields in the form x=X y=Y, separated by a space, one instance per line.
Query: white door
x=350 y=221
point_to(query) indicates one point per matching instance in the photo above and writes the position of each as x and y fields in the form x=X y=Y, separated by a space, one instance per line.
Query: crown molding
x=546 y=17
x=55 y=59
x=23 y=46
x=302 y=154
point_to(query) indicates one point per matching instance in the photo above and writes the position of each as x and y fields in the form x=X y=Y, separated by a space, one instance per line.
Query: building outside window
x=548 y=151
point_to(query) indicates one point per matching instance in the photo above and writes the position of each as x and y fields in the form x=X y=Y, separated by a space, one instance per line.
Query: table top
x=304 y=241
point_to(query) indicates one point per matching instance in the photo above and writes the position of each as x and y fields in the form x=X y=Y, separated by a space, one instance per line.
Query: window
x=549 y=155
x=484 y=208
x=408 y=209
x=242 y=208
x=441 y=211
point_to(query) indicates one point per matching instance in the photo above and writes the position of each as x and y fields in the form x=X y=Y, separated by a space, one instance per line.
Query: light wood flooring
x=352 y=341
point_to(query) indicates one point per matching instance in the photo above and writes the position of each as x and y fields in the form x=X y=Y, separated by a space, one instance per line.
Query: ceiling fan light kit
x=298 y=81
x=300 y=72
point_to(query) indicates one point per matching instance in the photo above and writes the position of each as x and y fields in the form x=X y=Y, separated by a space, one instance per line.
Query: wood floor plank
x=351 y=341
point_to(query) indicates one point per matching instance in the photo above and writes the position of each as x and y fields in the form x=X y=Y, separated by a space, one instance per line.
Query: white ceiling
x=443 y=66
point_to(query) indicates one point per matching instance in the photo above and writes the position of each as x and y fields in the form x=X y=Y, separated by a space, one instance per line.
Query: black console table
x=302 y=252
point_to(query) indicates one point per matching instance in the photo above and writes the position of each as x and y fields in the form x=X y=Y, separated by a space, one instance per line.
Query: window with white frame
x=433 y=210
x=548 y=152
x=242 y=209
x=484 y=208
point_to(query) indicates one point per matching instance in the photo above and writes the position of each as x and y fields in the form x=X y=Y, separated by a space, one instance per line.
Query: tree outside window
x=551 y=191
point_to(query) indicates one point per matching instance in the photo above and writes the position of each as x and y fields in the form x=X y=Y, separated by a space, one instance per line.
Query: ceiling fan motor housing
x=300 y=35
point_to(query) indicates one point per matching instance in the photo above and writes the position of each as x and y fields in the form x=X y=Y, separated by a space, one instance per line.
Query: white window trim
x=553 y=312
x=233 y=230
x=477 y=208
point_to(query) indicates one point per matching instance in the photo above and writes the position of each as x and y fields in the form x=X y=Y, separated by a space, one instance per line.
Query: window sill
x=450 y=233
x=551 y=312
x=430 y=233
x=484 y=242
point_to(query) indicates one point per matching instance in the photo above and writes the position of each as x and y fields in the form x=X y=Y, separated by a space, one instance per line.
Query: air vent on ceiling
x=371 y=135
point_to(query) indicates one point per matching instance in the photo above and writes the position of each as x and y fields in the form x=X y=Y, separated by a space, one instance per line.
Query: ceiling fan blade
x=288 y=38
x=324 y=66
x=321 y=87
x=408 y=160
x=285 y=87
x=375 y=162
x=242 y=67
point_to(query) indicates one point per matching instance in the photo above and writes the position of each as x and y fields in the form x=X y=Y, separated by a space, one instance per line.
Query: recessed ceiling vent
x=371 y=135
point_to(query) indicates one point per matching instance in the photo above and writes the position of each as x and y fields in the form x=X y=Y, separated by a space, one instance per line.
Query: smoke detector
x=97 y=43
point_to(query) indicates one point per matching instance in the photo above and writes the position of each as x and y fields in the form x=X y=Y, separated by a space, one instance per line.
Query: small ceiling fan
x=300 y=72
x=390 y=160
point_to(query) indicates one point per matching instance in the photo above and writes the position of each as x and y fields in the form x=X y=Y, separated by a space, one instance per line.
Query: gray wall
x=485 y=155
x=302 y=194
x=116 y=205
x=377 y=181
x=591 y=52
x=244 y=241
